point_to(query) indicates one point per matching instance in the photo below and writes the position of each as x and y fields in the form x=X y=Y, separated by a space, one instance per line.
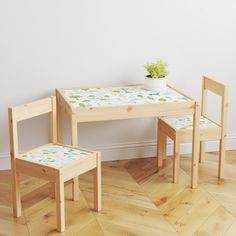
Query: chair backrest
x=218 y=89
x=30 y=110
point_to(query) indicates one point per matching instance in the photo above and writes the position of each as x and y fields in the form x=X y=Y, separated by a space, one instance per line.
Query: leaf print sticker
x=76 y=96
x=162 y=99
x=115 y=96
x=186 y=122
x=55 y=155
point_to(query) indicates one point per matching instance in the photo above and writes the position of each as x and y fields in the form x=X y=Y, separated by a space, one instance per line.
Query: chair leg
x=202 y=152
x=16 y=193
x=161 y=147
x=74 y=142
x=176 y=161
x=97 y=186
x=53 y=188
x=221 y=159
x=75 y=186
x=60 y=205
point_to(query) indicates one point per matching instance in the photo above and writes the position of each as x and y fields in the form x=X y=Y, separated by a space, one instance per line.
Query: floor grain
x=138 y=200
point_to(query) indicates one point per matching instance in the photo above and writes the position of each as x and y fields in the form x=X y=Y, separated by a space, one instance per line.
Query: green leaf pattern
x=54 y=155
x=186 y=122
x=118 y=96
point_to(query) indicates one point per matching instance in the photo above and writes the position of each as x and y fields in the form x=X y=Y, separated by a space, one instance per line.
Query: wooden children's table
x=126 y=102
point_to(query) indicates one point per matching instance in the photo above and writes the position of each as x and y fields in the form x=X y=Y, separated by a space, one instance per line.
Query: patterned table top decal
x=55 y=156
x=186 y=122
x=117 y=96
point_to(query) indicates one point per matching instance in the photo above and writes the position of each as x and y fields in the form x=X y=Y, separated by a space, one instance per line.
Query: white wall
x=48 y=44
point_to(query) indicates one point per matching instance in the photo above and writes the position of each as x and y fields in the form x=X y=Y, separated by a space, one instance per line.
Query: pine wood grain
x=137 y=200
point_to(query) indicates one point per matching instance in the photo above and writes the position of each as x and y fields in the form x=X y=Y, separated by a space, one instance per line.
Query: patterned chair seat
x=54 y=155
x=186 y=122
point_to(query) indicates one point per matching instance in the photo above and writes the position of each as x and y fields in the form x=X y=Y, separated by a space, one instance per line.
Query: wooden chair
x=179 y=129
x=53 y=162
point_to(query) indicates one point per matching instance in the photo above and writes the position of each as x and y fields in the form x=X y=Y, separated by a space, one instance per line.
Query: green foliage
x=157 y=69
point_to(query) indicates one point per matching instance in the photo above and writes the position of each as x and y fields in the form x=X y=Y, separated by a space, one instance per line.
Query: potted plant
x=156 y=78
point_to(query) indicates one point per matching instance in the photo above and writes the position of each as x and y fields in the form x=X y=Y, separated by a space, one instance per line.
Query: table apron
x=130 y=112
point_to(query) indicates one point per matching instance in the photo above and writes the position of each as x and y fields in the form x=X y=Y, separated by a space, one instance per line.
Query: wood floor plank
x=123 y=213
x=217 y=224
x=117 y=229
x=140 y=169
x=138 y=199
x=197 y=215
x=6 y=214
x=231 y=230
x=12 y=228
x=92 y=228
x=78 y=215
x=181 y=204
x=118 y=184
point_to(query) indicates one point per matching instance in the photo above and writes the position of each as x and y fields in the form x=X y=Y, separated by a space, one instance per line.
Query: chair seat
x=186 y=122
x=54 y=155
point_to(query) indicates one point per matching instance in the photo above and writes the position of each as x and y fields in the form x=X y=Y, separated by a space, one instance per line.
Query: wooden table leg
x=74 y=142
x=202 y=152
x=59 y=123
x=97 y=185
x=195 y=146
x=176 y=160
x=161 y=146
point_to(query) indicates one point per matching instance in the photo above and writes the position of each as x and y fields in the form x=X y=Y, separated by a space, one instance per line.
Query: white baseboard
x=131 y=150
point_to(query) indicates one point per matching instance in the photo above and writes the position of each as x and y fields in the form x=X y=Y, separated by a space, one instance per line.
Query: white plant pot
x=157 y=85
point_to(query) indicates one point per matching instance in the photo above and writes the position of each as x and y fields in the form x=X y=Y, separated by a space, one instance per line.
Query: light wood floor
x=138 y=200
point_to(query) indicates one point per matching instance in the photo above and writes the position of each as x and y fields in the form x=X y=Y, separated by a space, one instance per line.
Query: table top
x=96 y=97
